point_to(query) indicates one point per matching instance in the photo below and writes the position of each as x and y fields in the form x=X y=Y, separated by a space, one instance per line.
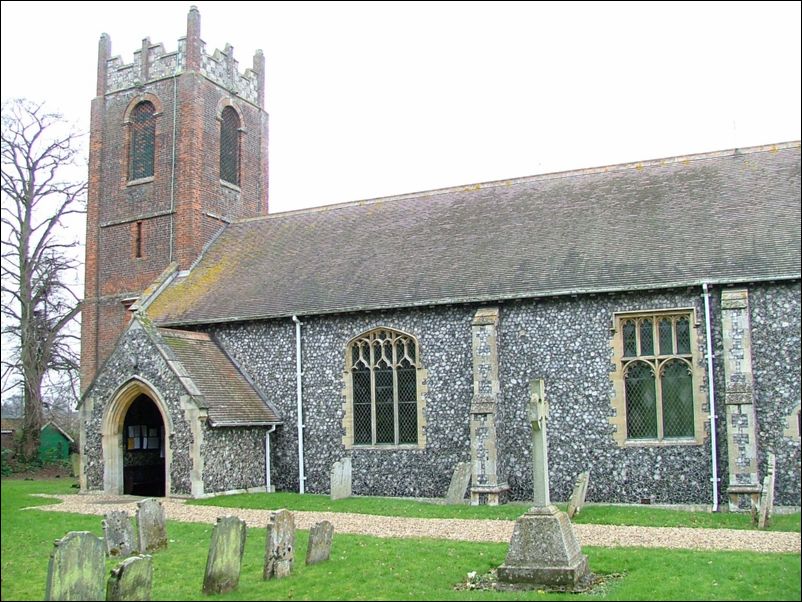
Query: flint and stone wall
x=136 y=356
x=566 y=341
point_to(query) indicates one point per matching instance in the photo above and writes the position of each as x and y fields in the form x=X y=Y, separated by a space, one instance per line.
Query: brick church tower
x=178 y=148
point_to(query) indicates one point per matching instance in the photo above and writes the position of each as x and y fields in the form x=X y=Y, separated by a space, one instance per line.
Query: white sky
x=373 y=99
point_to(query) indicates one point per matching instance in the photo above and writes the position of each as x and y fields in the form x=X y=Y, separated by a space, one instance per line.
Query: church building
x=226 y=348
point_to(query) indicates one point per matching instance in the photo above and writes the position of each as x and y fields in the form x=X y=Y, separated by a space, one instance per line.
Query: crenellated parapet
x=152 y=63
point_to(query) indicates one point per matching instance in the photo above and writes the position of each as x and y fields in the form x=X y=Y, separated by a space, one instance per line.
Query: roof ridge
x=614 y=167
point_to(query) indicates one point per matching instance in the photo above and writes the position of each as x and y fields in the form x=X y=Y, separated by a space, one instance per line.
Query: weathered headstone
x=767 y=495
x=341 y=479
x=579 y=494
x=118 y=533
x=77 y=569
x=319 y=548
x=279 y=545
x=543 y=549
x=224 y=562
x=75 y=464
x=131 y=580
x=459 y=483
x=152 y=526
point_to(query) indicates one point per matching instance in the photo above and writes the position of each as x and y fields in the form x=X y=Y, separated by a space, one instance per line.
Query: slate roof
x=729 y=216
x=231 y=399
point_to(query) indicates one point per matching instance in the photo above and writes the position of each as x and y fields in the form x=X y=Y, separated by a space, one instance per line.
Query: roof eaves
x=489 y=298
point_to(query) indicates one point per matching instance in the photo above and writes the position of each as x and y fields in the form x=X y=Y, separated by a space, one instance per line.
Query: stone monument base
x=544 y=550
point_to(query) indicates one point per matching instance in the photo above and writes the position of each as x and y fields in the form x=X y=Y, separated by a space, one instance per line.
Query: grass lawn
x=367 y=568
x=644 y=516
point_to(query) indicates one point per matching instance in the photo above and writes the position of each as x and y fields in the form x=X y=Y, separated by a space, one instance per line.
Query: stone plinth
x=544 y=551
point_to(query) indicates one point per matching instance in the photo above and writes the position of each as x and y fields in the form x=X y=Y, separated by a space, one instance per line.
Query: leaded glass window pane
x=362 y=407
x=646 y=338
x=141 y=152
x=229 y=146
x=677 y=392
x=641 y=401
x=666 y=333
x=630 y=339
x=683 y=336
x=386 y=398
x=659 y=394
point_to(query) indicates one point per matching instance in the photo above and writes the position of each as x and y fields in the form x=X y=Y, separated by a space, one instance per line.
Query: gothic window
x=229 y=146
x=384 y=370
x=655 y=362
x=141 y=151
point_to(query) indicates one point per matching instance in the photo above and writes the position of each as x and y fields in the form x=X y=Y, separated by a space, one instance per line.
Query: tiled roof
x=730 y=216
x=231 y=400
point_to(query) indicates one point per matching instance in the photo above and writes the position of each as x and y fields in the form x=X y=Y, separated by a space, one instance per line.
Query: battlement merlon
x=152 y=63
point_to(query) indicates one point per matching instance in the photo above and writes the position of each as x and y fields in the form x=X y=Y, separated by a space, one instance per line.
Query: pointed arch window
x=142 y=143
x=230 y=146
x=383 y=367
x=658 y=373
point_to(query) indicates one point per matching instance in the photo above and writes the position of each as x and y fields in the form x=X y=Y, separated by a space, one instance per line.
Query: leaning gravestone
x=152 y=526
x=131 y=580
x=319 y=547
x=459 y=483
x=118 y=532
x=224 y=562
x=579 y=494
x=767 y=494
x=77 y=569
x=341 y=479
x=279 y=545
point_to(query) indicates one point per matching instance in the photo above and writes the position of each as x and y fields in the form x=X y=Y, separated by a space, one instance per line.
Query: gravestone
x=75 y=464
x=279 y=545
x=118 y=533
x=579 y=494
x=767 y=495
x=131 y=580
x=459 y=483
x=543 y=549
x=152 y=526
x=77 y=569
x=341 y=479
x=224 y=562
x=319 y=548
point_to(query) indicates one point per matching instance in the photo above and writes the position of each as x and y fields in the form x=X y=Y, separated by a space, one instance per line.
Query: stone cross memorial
x=543 y=549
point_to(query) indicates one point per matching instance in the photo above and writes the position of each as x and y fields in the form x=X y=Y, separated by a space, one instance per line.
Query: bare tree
x=38 y=150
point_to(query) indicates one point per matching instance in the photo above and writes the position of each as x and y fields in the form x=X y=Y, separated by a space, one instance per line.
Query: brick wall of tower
x=185 y=203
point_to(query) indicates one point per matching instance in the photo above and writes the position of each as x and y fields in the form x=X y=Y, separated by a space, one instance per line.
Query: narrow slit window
x=230 y=146
x=142 y=147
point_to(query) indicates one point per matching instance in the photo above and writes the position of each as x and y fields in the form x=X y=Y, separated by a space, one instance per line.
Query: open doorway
x=143 y=449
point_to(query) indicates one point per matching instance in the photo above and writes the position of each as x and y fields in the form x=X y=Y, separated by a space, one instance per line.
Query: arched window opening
x=230 y=146
x=142 y=149
x=383 y=366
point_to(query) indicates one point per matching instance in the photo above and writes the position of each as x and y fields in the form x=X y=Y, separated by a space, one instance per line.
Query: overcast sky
x=369 y=99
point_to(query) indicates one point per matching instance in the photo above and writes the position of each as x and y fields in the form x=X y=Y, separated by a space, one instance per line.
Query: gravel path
x=459 y=529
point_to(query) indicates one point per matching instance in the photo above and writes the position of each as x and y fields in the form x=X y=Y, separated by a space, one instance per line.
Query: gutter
x=711 y=391
x=299 y=405
x=268 y=484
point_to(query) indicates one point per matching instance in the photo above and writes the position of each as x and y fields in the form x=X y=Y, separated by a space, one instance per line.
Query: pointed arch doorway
x=136 y=450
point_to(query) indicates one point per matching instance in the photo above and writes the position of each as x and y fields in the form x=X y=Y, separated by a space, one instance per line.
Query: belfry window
x=383 y=366
x=230 y=146
x=142 y=146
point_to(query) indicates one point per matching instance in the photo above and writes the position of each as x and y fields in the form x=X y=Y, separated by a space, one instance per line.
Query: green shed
x=54 y=443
